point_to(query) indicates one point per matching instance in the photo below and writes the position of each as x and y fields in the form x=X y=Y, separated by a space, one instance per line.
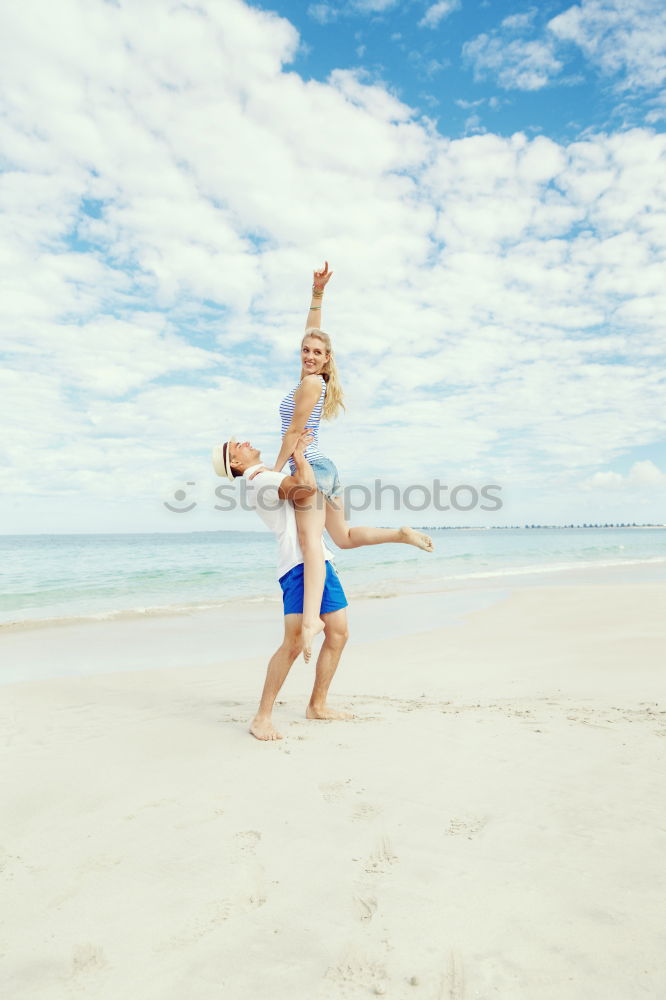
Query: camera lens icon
x=180 y=496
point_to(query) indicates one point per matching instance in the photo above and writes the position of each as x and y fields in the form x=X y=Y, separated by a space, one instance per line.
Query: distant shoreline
x=421 y=527
x=537 y=527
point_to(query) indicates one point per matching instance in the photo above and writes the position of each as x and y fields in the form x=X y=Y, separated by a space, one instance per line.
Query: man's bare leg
x=336 y=634
x=278 y=668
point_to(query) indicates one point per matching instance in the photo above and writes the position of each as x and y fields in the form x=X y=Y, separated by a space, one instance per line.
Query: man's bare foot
x=417 y=538
x=263 y=729
x=326 y=713
x=308 y=632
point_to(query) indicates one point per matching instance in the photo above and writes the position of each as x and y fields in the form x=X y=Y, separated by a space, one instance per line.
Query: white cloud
x=519 y=22
x=324 y=13
x=473 y=125
x=518 y=64
x=372 y=98
x=436 y=13
x=623 y=39
x=644 y=475
x=425 y=66
x=499 y=295
x=372 y=6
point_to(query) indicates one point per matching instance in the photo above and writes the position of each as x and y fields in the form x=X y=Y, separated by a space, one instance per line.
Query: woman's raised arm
x=319 y=281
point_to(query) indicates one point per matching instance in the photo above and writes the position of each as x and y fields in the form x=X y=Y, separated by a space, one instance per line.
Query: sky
x=486 y=179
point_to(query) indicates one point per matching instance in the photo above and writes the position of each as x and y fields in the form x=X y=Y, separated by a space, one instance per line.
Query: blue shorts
x=332 y=599
x=326 y=477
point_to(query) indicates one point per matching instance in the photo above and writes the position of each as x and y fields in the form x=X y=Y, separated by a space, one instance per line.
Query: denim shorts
x=326 y=477
x=332 y=599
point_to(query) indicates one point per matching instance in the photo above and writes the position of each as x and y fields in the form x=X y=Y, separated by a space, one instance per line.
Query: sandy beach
x=491 y=824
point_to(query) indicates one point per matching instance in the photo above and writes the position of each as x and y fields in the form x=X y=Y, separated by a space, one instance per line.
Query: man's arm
x=302 y=484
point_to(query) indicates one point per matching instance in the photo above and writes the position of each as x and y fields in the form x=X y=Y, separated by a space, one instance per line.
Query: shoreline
x=511 y=577
x=240 y=629
x=225 y=635
x=418 y=527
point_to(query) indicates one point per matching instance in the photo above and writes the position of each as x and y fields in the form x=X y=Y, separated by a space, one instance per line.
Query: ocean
x=47 y=577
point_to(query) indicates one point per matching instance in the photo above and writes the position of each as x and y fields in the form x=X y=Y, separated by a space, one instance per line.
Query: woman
x=318 y=394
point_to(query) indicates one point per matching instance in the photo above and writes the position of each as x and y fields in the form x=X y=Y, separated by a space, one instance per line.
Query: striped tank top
x=286 y=415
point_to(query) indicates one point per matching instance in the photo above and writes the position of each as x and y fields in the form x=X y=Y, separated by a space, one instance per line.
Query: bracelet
x=314 y=308
x=317 y=292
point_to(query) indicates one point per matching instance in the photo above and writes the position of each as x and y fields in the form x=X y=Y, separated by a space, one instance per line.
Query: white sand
x=491 y=825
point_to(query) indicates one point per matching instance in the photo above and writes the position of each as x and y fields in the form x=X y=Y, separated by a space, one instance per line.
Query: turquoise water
x=65 y=576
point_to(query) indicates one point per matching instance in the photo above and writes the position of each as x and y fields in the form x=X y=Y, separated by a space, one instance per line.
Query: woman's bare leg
x=310 y=515
x=346 y=537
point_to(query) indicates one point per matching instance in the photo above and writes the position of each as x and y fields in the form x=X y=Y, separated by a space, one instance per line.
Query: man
x=269 y=493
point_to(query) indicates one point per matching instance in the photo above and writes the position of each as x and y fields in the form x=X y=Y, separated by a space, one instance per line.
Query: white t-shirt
x=278 y=516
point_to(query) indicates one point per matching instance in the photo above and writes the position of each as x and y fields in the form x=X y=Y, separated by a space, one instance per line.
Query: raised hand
x=321 y=278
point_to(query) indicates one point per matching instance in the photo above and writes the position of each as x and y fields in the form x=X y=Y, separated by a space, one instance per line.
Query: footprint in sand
x=361 y=971
x=355 y=971
x=365 y=811
x=86 y=958
x=156 y=804
x=452 y=983
x=208 y=817
x=99 y=863
x=381 y=858
x=333 y=791
x=366 y=907
x=248 y=870
x=336 y=791
x=467 y=826
x=246 y=846
x=211 y=916
x=247 y=841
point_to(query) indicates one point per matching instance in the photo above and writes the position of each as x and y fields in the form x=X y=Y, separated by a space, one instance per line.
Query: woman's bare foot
x=263 y=728
x=308 y=632
x=326 y=713
x=417 y=538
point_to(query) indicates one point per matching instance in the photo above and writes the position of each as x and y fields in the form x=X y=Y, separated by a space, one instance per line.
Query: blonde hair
x=334 y=395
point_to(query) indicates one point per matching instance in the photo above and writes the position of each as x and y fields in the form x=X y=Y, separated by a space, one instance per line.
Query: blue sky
x=486 y=179
x=426 y=68
x=436 y=63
